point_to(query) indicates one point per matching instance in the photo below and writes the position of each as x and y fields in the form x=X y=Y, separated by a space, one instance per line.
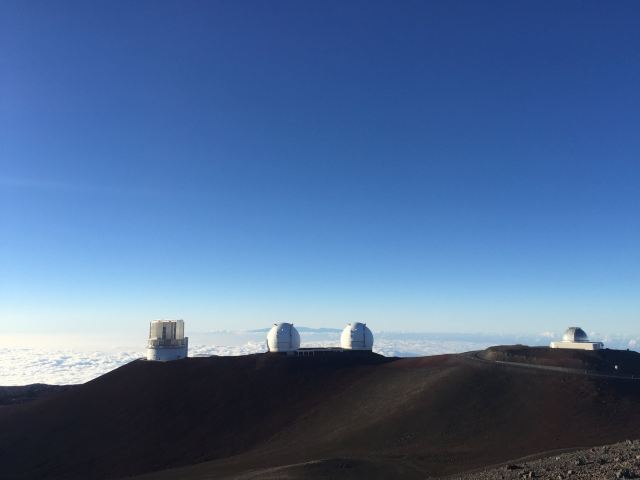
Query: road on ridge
x=475 y=355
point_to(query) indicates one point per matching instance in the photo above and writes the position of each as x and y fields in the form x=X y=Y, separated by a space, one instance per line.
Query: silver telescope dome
x=356 y=336
x=575 y=334
x=283 y=337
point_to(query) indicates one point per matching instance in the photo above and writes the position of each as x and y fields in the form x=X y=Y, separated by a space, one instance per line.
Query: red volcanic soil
x=620 y=362
x=270 y=416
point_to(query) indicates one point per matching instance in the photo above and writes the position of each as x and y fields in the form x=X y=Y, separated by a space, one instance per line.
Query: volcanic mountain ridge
x=346 y=416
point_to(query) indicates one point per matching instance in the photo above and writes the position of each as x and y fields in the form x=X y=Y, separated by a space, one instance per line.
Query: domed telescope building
x=167 y=341
x=283 y=337
x=576 y=338
x=356 y=336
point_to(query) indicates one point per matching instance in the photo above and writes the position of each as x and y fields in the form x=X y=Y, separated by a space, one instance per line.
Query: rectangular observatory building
x=167 y=341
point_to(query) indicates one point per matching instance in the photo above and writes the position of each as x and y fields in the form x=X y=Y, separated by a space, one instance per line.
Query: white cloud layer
x=23 y=364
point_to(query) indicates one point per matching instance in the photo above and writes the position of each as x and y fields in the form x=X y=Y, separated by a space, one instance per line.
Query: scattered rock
x=623 y=473
x=616 y=461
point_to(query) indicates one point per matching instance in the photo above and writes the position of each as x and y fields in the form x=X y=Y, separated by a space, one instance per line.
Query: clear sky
x=429 y=166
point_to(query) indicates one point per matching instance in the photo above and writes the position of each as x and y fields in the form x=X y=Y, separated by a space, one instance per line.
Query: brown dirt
x=268 y=416
x=597 y=361
x=29 y=393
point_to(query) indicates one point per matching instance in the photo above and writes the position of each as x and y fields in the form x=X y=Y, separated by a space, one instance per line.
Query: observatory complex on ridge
x=576 y=338
x=167 y=341
x=284 y=338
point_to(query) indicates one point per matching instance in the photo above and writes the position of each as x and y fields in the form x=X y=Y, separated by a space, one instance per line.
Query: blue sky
x=428 y=166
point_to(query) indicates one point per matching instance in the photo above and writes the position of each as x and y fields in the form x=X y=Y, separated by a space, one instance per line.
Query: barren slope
x=266 y=416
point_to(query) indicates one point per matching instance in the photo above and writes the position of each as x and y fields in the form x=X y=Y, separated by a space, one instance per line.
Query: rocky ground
x=617 y=461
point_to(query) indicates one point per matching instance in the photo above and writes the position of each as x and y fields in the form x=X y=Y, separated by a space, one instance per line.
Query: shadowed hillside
x=621 y=362
x=269 y=416
x=28 y=393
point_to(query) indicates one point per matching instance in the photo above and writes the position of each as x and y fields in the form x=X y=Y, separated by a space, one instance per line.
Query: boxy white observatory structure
x=167 y=341
x=576 y=338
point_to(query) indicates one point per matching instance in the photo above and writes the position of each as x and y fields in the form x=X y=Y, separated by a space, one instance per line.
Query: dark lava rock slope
x=269 y=416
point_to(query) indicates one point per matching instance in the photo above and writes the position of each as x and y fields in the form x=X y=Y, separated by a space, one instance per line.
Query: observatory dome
x=283 y=337
x=356 y=336
x=575 y=334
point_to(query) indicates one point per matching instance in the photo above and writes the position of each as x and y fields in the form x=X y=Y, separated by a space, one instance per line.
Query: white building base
x=578 y=345
x=166 y=354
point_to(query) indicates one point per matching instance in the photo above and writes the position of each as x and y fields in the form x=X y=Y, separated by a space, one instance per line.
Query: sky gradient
x=425 y=166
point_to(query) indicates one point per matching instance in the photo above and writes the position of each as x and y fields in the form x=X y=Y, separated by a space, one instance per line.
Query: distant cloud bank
x=25 y=365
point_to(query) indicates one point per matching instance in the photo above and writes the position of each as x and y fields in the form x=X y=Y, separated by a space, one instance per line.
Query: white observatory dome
x=283 y=337
x=356 y=336
x=575 y=334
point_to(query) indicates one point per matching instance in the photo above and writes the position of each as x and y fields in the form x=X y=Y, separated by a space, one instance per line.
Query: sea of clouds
x=24 y=361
